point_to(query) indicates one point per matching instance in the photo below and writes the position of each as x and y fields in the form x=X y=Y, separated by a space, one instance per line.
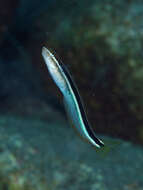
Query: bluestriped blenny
x=72 y=99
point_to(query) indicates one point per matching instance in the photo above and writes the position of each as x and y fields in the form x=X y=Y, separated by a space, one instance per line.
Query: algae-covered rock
x=50 y=156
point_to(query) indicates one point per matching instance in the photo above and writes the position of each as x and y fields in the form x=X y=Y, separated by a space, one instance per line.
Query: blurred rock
x=102 y=41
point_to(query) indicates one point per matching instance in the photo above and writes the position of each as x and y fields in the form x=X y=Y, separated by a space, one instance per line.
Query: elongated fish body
x=72 y=100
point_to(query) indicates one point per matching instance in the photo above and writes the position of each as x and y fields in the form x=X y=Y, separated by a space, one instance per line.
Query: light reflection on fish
x=72 y=100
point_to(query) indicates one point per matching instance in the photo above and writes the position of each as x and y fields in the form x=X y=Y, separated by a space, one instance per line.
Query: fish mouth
x=45 y=52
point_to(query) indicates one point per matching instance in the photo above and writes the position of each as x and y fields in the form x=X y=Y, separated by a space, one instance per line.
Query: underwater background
x=101 y=43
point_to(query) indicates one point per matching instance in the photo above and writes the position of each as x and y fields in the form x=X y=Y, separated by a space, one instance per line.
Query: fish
x=71 y=97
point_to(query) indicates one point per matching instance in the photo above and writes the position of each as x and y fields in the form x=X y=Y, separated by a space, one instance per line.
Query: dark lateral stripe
x=81 y=107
